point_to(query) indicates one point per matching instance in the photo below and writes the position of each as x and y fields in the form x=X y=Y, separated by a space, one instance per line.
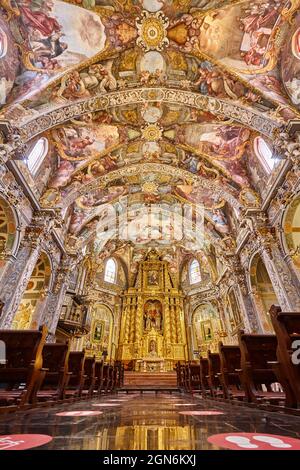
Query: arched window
x=3 y=44
x=37 y=155
x=265 y=154
x=110 y=271
x=195 y=274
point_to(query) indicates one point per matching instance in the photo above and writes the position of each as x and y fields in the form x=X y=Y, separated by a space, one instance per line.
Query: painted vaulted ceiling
x=150 y=101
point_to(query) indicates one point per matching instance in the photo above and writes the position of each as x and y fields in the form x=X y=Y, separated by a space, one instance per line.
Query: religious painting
x=205 y=324
x=218 y=141
x=98 y=331
x=290 y=64
x=153 y=315
x=100 y=336
x=207 y=330
x=52 y=37
x=78 y=144
x=153 y=277
x=240 y=35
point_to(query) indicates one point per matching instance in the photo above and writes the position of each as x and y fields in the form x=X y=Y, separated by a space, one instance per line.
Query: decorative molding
x=54 y=117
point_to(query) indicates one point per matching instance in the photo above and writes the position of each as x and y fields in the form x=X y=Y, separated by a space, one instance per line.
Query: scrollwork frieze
x=35 y=125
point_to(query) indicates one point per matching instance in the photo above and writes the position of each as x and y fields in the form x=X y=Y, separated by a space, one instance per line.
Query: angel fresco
x=290 y=66
x=215 y=140
x=239 y=34
x=44 y=36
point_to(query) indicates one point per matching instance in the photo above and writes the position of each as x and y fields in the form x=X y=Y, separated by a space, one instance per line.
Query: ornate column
x=55 y=300
x=251 y=320
x=279 y=273
x=14 y=285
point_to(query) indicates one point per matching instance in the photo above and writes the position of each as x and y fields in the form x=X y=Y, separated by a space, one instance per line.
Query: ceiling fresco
x=146 y=102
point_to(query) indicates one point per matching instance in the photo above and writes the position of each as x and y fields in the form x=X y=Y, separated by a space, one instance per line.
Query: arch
x=240 y=113
x=8 y=227
x=110 y=273
x=194 y=272
x=262 y=290
x=291 y=232
x=229 y=196
x=36 y=155
x=206 y=325
x=100 y=338
x=34 y=293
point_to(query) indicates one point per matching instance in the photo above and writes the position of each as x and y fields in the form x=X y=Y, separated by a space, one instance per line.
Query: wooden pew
x=186 y=376
x=106 y=378
x=89 y=372
x=118 y=374
x=193 y=382
x=287 y=328
x=205 y=388
x=180 y=374
x=77 y=377
x=214 y=370
x=230 y=358
x=257 y=375
x=111 y=378
x=55 y=376
x=99 y=377
x=20 y=371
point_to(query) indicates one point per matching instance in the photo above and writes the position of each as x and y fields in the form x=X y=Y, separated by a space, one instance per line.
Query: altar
x=152 y=364
x=153 y=328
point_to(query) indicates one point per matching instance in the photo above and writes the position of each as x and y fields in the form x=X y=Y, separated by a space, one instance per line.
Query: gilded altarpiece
x=153 y=330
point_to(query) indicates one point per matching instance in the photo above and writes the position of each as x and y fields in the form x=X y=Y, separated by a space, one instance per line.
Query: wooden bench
x=205 y=388
x=21 y=369
x=180 y=367
x=230 y=361
x=55 y=372
x=287 y=367
x=77 y=377
x=99 y=377
x=257 y=375
x=106 y=383
x=88 y=389
x=193 y=381
x=214 y=370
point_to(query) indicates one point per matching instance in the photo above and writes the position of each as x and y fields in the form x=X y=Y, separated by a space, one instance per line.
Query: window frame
x=265 y=161
x=109 y=281
x=36 y=164
x=194 y=281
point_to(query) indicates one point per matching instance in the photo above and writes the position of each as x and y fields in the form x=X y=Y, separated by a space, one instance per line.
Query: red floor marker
x=254 y=441
x=201 y=413
x=23 y=441
x=79 y=413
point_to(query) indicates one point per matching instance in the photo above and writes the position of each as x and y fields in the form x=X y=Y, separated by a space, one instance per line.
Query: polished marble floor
x=145 y=422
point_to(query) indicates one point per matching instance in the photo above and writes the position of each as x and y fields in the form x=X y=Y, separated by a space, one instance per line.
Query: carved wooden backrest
x=258 y=350
x=203 y=368
x=21 y=347
x=76 y=366
x=230 y=357
x=55 y=356
x=89 y=369
x=214 y=364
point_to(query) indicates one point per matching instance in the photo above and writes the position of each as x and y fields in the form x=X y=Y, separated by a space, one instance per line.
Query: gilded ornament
x=152 y=31
x=152 y=132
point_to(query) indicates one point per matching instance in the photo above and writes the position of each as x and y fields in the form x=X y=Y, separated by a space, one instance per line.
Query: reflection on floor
x=145 y=422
